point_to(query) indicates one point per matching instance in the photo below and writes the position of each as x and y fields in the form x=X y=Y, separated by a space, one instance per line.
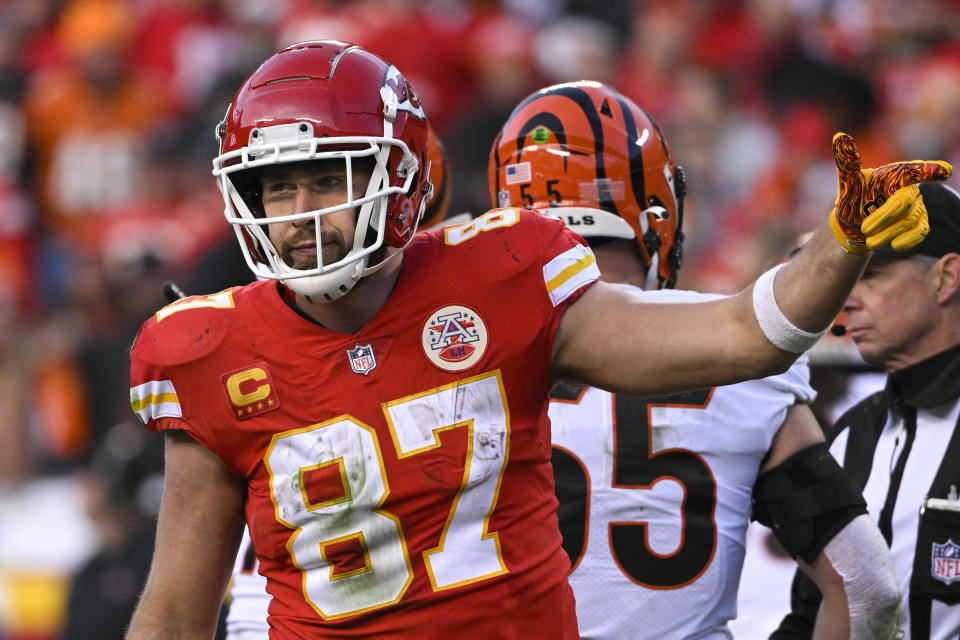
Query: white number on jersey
x=329 y=483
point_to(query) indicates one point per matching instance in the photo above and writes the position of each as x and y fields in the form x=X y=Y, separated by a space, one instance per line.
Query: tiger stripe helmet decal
x=601 y=162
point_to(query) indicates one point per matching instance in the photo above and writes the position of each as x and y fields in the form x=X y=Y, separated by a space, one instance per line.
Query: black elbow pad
x=806 y=500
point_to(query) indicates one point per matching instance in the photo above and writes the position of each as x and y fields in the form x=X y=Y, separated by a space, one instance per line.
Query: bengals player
x=655 y=492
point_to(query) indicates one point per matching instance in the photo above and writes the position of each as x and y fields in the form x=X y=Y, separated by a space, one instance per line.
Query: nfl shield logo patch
x=362 y=359
x=945 y=562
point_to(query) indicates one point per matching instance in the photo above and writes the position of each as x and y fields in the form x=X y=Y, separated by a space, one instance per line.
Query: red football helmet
x=439 y=173
x=316 y=101
x=601 y=160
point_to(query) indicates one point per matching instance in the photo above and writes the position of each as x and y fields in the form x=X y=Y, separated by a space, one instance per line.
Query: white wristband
x=776 y=326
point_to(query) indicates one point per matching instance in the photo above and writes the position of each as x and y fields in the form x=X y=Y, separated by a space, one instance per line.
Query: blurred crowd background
x=107 y=113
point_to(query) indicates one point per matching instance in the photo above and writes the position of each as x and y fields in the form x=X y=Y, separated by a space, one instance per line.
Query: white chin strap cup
x=331 y=286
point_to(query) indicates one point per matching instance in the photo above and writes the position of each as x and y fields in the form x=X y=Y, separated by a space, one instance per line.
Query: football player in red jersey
x=655 y=492
x=248 y=600
x=375 y=408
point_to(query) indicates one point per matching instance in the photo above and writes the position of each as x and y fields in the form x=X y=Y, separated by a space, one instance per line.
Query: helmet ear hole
x=401 y=220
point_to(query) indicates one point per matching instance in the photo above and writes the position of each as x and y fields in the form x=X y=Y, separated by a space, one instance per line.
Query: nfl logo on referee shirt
x=945 y=562
x=362 y=359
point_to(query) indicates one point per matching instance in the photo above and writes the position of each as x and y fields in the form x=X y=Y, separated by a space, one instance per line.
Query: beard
x=333 y=248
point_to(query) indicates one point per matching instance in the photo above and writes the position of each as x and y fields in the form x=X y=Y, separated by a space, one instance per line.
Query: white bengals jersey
x=247 y=608
x=655 y=498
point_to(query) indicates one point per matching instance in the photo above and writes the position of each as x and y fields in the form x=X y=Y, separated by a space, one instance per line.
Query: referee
x=902 y=444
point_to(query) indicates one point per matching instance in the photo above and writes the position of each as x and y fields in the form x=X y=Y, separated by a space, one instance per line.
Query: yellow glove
x=881 y=206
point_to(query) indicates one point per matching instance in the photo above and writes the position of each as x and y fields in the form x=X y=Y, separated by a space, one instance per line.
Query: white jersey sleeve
x=655 y=499
x=247 y=610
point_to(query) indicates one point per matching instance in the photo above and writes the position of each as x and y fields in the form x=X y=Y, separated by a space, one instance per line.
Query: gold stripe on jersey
x=569 y=271
x=155 y=399
x=222 y=300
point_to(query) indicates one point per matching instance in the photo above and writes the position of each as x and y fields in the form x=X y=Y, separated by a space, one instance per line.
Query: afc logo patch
x=945 y=562
x=454 y=338
x=251 y=391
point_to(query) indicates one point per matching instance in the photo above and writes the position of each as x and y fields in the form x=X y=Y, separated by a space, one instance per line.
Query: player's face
x=302 y=187
x=891 y=311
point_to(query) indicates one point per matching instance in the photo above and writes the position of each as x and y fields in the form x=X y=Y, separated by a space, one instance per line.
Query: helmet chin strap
x=651 y=241
x=331 y=286
x=650 y=283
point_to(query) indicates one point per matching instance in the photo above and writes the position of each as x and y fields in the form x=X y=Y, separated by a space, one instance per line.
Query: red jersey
x=399 y=481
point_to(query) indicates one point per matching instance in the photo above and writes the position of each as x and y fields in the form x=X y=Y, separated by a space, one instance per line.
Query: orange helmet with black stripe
x=601 y=163
x=439 y=176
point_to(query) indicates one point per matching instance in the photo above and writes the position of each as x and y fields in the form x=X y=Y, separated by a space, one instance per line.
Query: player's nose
x=304 y=202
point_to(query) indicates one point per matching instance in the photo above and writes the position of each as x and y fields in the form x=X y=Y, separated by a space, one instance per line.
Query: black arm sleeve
x=804 y=602
x=806 y=500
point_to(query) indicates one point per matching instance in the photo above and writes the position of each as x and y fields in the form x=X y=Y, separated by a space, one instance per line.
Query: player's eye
x=324 y=183
x=275 y=189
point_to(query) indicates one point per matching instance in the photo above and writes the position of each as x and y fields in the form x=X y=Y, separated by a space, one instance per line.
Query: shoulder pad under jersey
x=185 y=330
x=520 y=233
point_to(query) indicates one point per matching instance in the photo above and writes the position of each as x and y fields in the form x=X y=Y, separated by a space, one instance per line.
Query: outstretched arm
x=613 y=341
x=198 y=532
